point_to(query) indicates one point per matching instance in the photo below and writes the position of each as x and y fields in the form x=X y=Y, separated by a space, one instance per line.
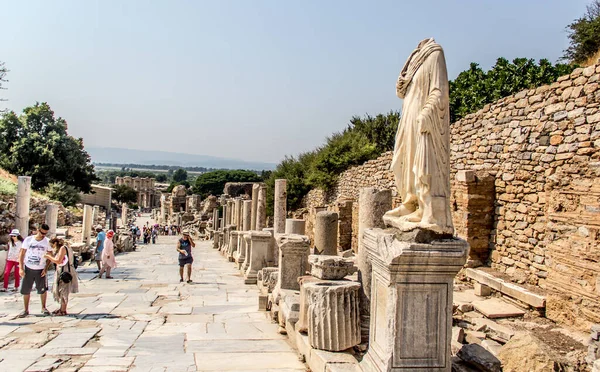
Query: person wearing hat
x=33 y=266
x=100 y=238
x=12 y=259
x=108 y=256
x=184 y=247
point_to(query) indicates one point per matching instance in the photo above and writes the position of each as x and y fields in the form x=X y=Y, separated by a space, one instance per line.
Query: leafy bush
x=8 y=188
x=180 y=175
x=212 y=183
x=124 y=194
x=584 y=35
x=66 y=194
x=473 y=88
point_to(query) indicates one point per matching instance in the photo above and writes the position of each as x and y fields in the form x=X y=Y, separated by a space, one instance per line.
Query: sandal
x=23 y=314
x=109 y=277
x=46 y=312
x=56 y=312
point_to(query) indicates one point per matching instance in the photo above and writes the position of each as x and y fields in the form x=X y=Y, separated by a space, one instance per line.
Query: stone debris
x=480 y=358
x=527 y=353
x=330 y=267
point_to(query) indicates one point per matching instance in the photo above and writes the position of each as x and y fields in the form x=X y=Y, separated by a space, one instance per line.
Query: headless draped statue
x=421 y=154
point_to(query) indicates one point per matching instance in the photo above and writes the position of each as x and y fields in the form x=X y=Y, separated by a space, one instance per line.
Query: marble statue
x=421 y=154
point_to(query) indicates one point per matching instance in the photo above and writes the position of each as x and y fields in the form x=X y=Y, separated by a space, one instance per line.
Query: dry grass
x=593 y=60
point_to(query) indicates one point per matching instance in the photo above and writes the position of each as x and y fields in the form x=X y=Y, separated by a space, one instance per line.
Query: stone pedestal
x=272 y=253
x=247 y=215
x=23 y=200
x=87 y=223
x=280 y=206
x=259 y=242
x=295 y=226
x=333 y=315
x=255 y=188
x=233 y=244
x=248 y=251
x=293 y=261
x=411 y=299
x=372 y=205
x=51 y=219
x=240 y=257
x=216 y=240
x=261 y=208
x=326 y=233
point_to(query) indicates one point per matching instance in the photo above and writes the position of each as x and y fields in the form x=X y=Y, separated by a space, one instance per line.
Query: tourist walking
x=154 y=235
x=108 y=256
x=12 y=259
x=65 y=277
x=99 y=246
x=184 y=247
x=33 y=266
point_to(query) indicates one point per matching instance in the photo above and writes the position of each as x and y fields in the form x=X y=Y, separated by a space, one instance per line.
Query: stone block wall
x=534 y=207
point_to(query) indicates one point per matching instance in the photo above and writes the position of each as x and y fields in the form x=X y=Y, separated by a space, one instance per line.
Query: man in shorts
x=99 y=246
x=33 y=267
x=184 y=247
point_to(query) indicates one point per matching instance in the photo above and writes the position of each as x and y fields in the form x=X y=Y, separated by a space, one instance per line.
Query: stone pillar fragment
x=233 y=244
x=230 y=212
x=259 y=241
x=124 y=212
x=273 y=252
x=326 y=233
x=293 y=260
x=238 y=214
x=240 y=257
x=225 y=213
x=372 y=205
x=411 y=298
x=255 y=188
x=247 y=215
x=87 y=223
x=95 y=213
x=280 y=206
x=333 y=315
x=23 y=200
x=51 y=219
x=261 y=208
x=295 y=226
x=215 y=218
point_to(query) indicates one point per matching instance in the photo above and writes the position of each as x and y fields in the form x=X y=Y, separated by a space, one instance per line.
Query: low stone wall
x=531 y=205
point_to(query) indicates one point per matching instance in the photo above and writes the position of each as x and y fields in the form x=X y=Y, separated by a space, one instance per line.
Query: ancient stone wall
x=534 y=201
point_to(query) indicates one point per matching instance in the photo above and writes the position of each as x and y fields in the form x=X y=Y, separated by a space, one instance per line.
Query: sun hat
x=15 y=232
x=186 y=233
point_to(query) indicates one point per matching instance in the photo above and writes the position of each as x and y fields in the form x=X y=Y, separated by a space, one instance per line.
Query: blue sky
x=253 y=80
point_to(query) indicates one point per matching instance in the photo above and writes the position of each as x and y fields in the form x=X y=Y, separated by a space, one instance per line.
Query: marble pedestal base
x=259 y=242
x=411 y=299
x=233 y=244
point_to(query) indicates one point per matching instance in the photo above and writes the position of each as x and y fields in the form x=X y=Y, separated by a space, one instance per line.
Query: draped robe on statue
x=422 y=150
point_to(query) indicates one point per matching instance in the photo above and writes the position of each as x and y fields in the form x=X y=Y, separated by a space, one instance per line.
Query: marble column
x=255 y=188
x=372 y=205
x=280 y=206
x=238 y=214
x=247 y=215
x=411 y=298
x=216 y=219
x=295 y=226
x=326 y=233
x=261 y=208
x=51 y=219
x=88 y=212
x=230 y=212
x=240 y=257
x=23 y=200
x=259 y=241
x=225 y=213
x=124 y=211
x=95 y=212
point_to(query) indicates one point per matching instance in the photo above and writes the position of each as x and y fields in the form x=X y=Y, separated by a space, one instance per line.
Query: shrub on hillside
x=584 y=35
x=66 y=194
x=213 y=183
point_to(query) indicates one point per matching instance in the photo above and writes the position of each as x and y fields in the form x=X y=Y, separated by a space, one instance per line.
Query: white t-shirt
x=34 y=256
x=13 y=251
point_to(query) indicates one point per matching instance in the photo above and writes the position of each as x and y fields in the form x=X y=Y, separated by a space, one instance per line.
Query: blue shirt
x=100 y=241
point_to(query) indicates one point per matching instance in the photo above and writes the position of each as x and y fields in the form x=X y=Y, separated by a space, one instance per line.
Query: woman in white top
x=12 y=259
x=63 y=258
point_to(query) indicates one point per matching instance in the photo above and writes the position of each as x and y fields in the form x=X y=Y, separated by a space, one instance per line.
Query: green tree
x=212 y=183
x=584 y=35
x=161 y=178
x=180 y=175
x=66 y=194
x=124 y=194
x=37 y=144
x=474 y=88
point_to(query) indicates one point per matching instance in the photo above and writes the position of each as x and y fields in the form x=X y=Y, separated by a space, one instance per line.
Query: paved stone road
x=145 y=320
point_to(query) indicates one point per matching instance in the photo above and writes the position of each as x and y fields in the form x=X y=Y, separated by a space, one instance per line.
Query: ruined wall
x=541 y=148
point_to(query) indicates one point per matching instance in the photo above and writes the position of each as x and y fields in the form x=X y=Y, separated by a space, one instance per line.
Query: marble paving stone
x=246 y=361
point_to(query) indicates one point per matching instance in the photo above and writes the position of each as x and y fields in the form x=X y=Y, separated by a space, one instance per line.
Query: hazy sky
x=245 y=79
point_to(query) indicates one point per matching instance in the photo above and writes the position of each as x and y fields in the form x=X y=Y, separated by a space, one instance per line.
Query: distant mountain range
x=146 y=157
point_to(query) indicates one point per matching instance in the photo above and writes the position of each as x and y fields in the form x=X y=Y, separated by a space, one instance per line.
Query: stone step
x=495 y=308
x=508 y=289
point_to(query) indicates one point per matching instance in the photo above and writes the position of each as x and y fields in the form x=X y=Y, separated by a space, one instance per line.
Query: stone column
x=51 y=219
x=163 y=211
x=247 y=215
x=124 y=211
x=215 y=219
x=95 y=211
x=295 y=226
x=372 y=205
x=88 y=211
x=238 y=214
x=225 y=213
x=261 y=208
x=280 y=206
x=230 y=212
x=259 y=241
x=326 y=233
x=411 y=299
x=255 y=188
x=23 y=199
x=333 y=315
x=240 y=257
